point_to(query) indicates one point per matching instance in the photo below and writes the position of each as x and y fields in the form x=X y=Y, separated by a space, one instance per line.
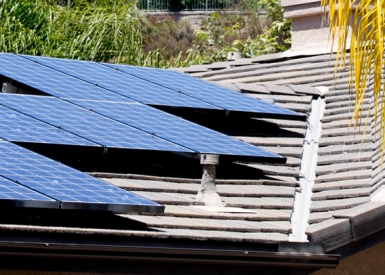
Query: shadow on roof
x=69 y=218
x=129 y=162
x=234 y=125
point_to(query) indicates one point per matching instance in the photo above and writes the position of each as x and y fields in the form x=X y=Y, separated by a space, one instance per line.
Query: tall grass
x=99 y=31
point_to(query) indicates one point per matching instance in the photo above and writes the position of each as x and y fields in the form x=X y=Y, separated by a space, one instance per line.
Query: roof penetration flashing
x=302 y=201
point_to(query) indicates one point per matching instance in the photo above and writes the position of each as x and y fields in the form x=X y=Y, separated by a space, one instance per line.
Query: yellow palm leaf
x=366 y=18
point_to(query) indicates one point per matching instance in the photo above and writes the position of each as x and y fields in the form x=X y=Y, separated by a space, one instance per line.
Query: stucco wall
x=285 y=3
x=370 y=261
x=310 y=27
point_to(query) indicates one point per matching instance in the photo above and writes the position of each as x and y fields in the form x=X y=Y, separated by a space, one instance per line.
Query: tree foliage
x=366 y=50
x=113 y=31
x=259 y=30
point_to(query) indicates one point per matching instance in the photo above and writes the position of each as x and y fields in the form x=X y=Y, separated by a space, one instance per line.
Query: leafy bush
x=222 y=33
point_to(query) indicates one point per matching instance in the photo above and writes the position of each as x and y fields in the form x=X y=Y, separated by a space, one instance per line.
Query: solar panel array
x=211 y=93
x=117 y=82
x=87 y=124
x=98 y=105
x=129 y=125
x=164 y=87
x=70 y=188
x=174 y=129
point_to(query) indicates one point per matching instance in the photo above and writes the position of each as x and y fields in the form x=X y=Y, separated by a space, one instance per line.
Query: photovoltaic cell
x=203 y=90
x=75 y=190
x=14 y=194
x=51 y=81
x=15 y=126
x=177 y=130
x=87 y=124
x=121 y=83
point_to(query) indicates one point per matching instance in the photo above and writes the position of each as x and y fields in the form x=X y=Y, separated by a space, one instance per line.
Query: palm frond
x=360 y=23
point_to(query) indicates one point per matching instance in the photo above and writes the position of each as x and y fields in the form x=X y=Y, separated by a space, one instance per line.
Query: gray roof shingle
x=346 y=172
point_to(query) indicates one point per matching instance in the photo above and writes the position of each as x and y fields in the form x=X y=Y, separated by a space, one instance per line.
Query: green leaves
x=111 y=31
x=222 y=33
x=99 y=31
x=276 y=38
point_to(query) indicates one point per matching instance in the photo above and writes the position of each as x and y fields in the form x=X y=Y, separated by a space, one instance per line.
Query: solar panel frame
x=120 y=83
x=74 y=190
x=17 y=127
x=90 y=125
x=178 y=130
x=16 y=195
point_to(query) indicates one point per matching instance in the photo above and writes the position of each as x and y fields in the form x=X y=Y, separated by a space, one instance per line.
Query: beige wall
x=368 y=262
x=285 y=3
x=310 y=28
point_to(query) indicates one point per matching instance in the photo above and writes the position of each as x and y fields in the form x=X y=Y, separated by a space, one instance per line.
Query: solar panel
x=147 y=85
x=15 y=126
x=176 y=130
x=121 y=83
x=208 y=92
x=87 y=124
x=13 y=194
x=51 y=81
x=74 y=190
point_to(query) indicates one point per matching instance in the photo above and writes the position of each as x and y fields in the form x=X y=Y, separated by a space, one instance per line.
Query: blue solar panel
x=13 y=194
x=75 y=190
x=203 y=90
x=174 y=129
x=147 y=85
x=121 y=83
x=51 y=81
x=15 y=126
x=87 y=124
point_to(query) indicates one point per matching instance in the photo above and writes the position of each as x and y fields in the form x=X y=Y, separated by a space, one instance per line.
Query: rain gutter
x=288 y=254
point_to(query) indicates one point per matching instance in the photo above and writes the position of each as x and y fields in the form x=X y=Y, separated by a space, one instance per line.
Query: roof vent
x=231 y=56
x=208 y=190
